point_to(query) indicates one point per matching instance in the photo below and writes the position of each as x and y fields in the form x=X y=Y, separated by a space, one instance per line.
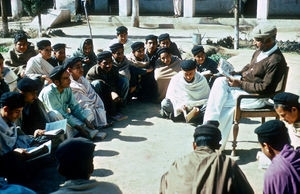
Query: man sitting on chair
x=261 y=76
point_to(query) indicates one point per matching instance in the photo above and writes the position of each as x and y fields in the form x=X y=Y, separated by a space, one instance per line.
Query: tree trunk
x=40 y=25
x=236 y=27
x=135 y=14
x=4 y=19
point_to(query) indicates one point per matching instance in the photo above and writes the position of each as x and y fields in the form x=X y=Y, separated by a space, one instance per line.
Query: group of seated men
x=89 y=90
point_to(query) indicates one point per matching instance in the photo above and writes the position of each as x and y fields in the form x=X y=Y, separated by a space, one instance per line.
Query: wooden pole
x=87 y=19
x=135 y=14
x=236 y=27
x=4 y=18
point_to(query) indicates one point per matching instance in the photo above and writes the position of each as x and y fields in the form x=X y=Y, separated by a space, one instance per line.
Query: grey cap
x=264 y=30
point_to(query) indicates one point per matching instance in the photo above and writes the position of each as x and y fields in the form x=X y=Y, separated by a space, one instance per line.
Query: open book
x=188 y=116
x=225 y=67
x=56 y=128
x=40 y=151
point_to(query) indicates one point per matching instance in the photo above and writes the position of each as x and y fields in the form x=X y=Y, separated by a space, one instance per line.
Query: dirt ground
x=139 y=150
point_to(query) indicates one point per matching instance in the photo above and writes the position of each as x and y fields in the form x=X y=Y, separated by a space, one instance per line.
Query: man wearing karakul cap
x=261 y=76
x=58 y=97
x=34 y=115
x=188 y=90
x=122 y=37
x=20 y=54
x=283 y=175
x=38 y=67
x=84 y=92
x=109 y=85
x=75 y=163
x=13 y=141
x=59 y=54
x=165 y=42
x=206 y=169
x=206 y=66
x=287 y=106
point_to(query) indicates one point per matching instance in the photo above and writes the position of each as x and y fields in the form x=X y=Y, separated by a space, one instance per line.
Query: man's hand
x=115 y=96
x=234 y=73
x=45 y=77
x=234 y=82
x=89 y=124
x=82 y=131
x=38 y=132
x=149 y=70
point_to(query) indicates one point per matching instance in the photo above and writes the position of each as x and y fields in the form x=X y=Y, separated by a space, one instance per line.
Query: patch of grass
x=216 y=57
x=3 y=49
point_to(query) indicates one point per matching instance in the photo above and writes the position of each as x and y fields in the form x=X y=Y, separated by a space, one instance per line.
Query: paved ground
x=139 y=150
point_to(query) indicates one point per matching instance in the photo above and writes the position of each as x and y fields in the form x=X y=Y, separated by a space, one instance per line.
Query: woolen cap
x=72 y=61
x=103 y=55
x=286 y=98
x=208 y=130
x=58 y=46
x=164 y=36
x=264 y=30
x=137 y=45
x=271 y=131
x=57 y=72
x=43 y=44
x=113 y=48
x=20 y=36
x=27 y=85
x=188 y=65
x=12 y=100
x=121 y=30
x=163 y=50
x=74 y=150
x=197 y=49
x=151 y=37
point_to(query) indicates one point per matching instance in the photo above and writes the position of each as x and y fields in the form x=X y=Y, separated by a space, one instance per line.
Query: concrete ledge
x=179 y=22
x=53 y=18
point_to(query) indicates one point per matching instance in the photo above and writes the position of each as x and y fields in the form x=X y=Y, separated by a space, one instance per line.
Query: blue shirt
x=61 y=102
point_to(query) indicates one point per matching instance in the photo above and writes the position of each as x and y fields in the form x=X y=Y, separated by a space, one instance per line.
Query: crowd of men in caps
x=90 y=90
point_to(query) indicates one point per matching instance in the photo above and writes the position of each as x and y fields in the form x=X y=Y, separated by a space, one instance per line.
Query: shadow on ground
x=105 y=153
x=244 y=156
x=102 y=172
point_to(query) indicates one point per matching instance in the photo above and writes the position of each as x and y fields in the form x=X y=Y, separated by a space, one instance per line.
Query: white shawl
x=181 y=93
x=86 y=96
x=37 y=66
